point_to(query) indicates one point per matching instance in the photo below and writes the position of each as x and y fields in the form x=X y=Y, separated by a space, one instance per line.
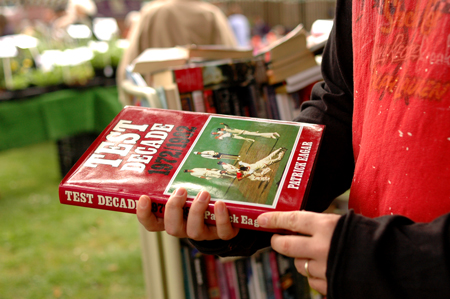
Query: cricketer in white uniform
x=206 y=173
x=227 y=129
x=216 y=155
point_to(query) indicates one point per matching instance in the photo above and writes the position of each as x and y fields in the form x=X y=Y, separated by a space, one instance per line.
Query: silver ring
x=308 y=275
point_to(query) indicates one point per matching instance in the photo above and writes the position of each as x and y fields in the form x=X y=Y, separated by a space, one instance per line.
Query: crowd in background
x=51 y=22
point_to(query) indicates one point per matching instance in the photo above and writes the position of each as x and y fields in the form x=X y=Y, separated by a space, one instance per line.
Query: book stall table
x=57 y=115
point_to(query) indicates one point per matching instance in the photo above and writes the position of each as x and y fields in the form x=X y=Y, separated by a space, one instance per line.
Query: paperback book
x=254 y=165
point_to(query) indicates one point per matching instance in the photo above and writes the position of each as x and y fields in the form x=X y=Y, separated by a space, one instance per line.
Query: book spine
x=267 y=274
x=187 y=273
x=197 y=98
x=230 y=272
x=200 y=275
x=250 y=279
x=187 y=104
x=241 y=273
x=209 y=101
x=222 y=101
x=127 y=203
x=212 y=276
x=275 y=275
x=258 y=276
x=223 y=282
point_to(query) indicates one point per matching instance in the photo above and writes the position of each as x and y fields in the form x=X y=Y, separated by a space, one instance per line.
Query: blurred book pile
x=264 y=275
x=271 y=82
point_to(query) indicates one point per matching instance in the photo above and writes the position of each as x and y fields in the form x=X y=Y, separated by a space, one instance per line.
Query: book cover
x=253 y=165
x=189 y=79
x=157 y=59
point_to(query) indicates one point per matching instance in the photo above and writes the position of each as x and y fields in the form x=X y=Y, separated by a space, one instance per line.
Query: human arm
x=331 y=104
x=389 y=257
x=353 y=256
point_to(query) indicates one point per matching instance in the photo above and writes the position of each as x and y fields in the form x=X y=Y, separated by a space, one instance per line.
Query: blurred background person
x=240 y=25
x=5 y=28
x=170 y=23
x=77 y=12
x=130 y=22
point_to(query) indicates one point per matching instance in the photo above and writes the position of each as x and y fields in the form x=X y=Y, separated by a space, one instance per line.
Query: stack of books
x=287 y=56
x=158 y=59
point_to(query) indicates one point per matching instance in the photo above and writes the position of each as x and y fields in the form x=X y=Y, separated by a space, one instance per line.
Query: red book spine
x=223 y=281
x=212 y=276
x=209 y=101
x=275 y=275
x=230 y=272
x=240 y=217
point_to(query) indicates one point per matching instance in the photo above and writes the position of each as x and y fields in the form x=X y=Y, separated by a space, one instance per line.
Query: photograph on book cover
x=238 y=160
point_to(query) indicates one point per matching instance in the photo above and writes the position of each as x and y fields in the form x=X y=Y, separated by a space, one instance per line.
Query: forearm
x=389 y=257
x=246 y=243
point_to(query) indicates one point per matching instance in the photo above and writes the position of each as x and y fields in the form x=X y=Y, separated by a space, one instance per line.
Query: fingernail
x=219 y=207
x=203 y=196
x=143 y=202
x=180 y=192
x=262 y=220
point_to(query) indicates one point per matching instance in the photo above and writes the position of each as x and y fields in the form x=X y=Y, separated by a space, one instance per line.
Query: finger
x=316 y=278
x=225 y=230
x=315 y=269
x=295 y=246
x=196 y=228
x=319 y=285
x=146 y=217
x=174 y=221
x=297 y=221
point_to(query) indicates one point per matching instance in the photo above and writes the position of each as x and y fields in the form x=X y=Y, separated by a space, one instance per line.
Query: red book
x=155 y=151
x=209 y=101
x=212 y=277
x=189 y=79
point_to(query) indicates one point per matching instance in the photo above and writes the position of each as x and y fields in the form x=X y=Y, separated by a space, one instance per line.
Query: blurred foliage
x=25 y=73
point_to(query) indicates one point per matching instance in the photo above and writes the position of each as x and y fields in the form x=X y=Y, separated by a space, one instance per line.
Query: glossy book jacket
x=254 y=165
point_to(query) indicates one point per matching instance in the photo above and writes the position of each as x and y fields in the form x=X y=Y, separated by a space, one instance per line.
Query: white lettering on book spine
x=299 y=168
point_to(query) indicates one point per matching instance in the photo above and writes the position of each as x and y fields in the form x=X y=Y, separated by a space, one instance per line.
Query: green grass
x=49 y=250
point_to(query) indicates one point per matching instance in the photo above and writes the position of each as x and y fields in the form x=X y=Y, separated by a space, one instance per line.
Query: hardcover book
x=253 y=165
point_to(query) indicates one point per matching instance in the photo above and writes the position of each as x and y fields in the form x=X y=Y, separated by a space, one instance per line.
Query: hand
x=313 y=245
x=194 y=226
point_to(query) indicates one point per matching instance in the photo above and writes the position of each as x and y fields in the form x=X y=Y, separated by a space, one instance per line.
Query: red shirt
x=401 y=122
